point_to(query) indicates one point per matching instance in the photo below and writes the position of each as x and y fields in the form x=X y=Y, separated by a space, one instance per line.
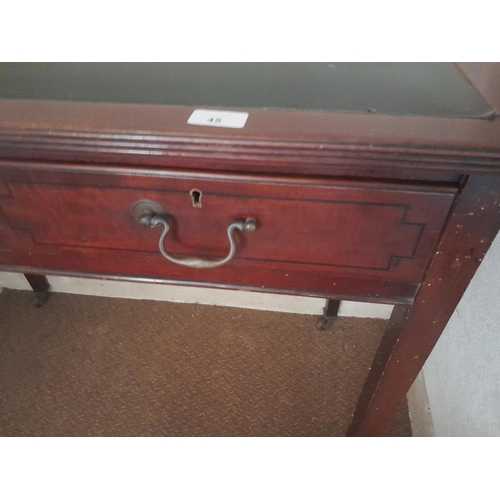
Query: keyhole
x=196 y=197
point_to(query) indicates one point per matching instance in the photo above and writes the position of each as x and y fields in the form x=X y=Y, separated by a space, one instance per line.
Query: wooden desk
x=370 y=182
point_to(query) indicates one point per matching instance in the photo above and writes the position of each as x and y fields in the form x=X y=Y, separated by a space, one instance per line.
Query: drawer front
x=306 y=229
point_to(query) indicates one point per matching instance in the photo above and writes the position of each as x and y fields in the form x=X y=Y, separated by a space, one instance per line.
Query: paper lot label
x=216 y=118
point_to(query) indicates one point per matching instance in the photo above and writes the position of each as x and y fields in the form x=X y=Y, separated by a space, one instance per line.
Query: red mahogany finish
x=375 y=205
x=358 y=230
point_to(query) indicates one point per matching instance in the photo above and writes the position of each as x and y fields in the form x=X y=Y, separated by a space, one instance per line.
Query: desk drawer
x=307 y=230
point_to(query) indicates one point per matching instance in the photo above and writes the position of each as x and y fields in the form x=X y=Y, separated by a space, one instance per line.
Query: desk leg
x=414 y=330
x=40 y=286
x=330 y=312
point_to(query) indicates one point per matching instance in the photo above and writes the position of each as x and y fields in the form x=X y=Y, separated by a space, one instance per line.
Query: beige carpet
x=93 y=366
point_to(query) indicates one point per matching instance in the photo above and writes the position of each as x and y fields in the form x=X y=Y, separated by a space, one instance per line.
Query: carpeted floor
x=93 y=366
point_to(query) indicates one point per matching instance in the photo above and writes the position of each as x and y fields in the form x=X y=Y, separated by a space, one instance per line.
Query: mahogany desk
x=370 y=182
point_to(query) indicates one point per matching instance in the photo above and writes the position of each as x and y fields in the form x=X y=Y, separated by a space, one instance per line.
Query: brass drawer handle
x=151 y=215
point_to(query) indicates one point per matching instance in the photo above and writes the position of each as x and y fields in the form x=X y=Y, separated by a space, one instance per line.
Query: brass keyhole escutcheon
x=196 y=195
